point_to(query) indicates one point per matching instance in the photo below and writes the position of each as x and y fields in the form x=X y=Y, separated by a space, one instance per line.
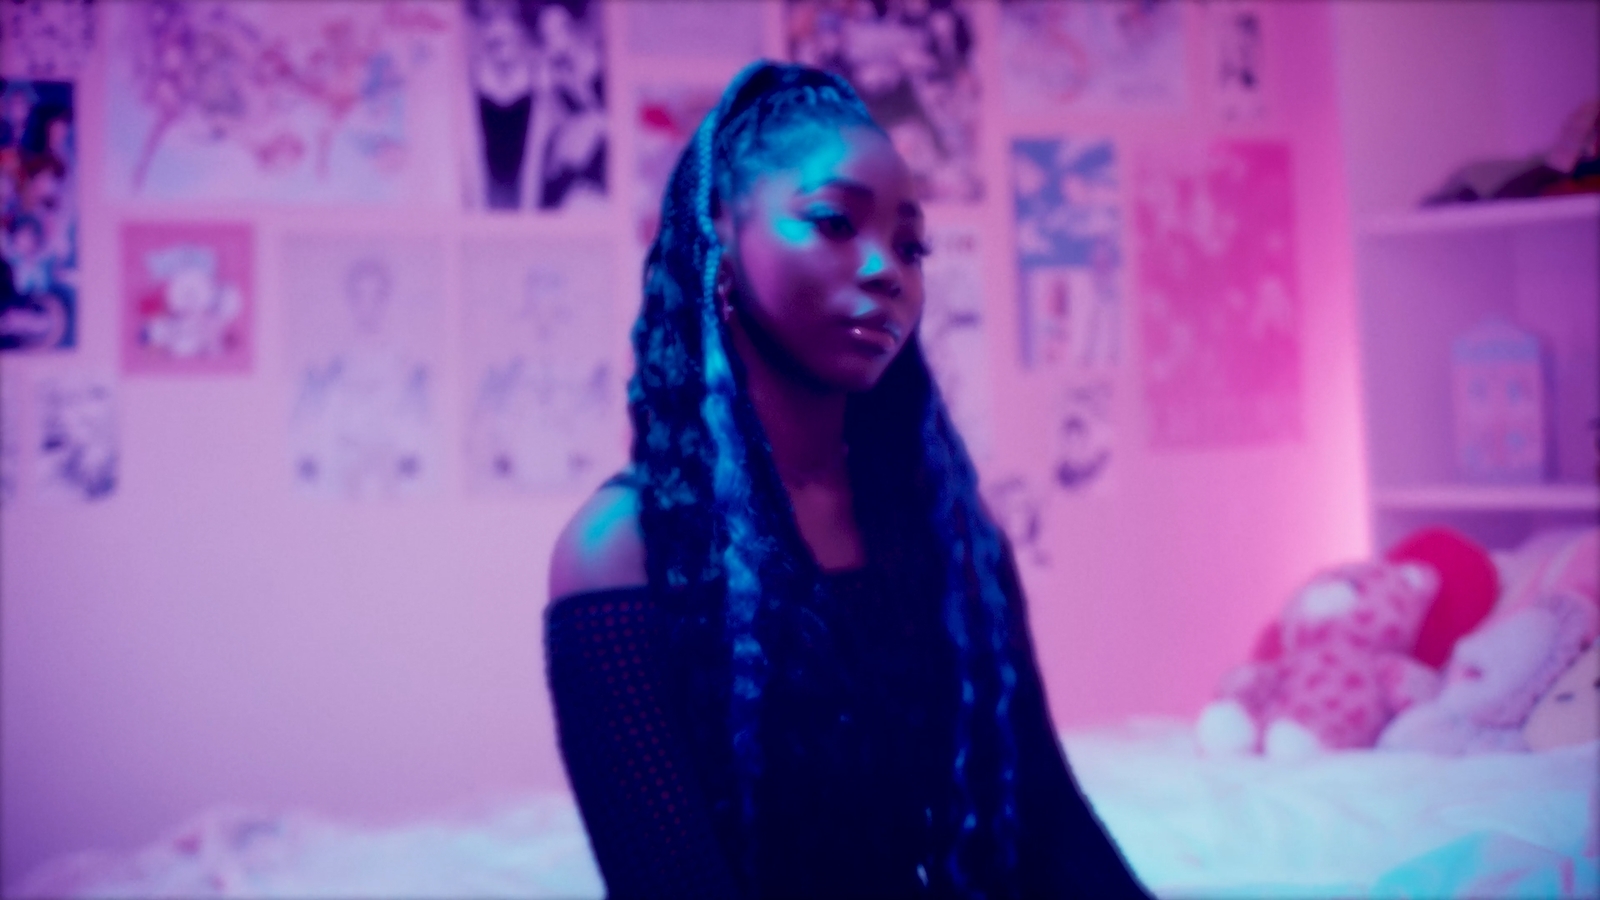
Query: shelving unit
x=1426 y=276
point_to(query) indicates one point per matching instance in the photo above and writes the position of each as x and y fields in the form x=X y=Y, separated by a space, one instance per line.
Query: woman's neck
x=804 y=422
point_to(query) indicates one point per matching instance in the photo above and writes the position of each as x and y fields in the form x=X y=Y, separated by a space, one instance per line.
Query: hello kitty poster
x=187 y=298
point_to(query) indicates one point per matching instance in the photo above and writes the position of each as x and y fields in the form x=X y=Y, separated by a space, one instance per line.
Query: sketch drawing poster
x=1219 y=319
x=186 y=298
x=38 y=216
x=536 y=85
x=45 y=40
x=1237 y=46
x=365 y=317
x=1093 y=54
x=75 y=445
x=913 y=64
x=544 y=398
x=335 y=102
x=1069 y=280
x=952 y=333
x=668 y=116
x=690 y=29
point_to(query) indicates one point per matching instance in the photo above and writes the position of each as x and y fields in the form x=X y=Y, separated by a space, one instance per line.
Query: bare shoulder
x=602 y=548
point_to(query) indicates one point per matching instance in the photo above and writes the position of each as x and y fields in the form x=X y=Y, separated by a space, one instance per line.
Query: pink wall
x=207 y=637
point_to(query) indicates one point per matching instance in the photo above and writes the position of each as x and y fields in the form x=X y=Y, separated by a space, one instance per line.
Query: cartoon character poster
x=38 y=216
x=1068 y=206
x=76 y=448
x=1093 y=54
x=1219 y=319
x=668 y=116
x=537 y=94
x=333 y=102
x=952 y=333
x=1237 y=35
x=913 y=64
x=365 y=317
x=45 y=40
x=186 y=297
x=544 y=394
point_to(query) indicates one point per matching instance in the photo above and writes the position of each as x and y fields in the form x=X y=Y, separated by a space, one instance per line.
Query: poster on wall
x=187 y=298
x=335 y=102
x=952 y=333
x=38 y=216
x=1219 y=312
x=913 y=64
x=1237 y=45
x=365 y=317
x=544 y=404
x=668 y=116
x=536 y=90
x=1068 y=210
x=1093 y=55
x=696 y=29
x=45 y=40
x=76 y=447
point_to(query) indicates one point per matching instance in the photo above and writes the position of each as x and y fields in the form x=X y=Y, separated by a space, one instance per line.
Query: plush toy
x=1496 y=676
x=1340 y=671
x=1358 y=644
x=1569 y=713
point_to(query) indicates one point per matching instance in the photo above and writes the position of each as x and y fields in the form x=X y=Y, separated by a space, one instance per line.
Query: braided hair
x=715 y=515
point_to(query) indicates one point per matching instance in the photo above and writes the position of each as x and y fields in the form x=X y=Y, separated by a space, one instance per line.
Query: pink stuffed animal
x=1342 y=669
x=1496 y=676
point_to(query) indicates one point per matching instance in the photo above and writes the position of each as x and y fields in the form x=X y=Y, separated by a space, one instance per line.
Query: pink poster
x=186 y=298
x=1219 y=319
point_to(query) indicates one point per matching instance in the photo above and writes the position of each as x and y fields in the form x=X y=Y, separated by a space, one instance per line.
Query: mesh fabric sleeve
x=649 y=824
x=1063 y=849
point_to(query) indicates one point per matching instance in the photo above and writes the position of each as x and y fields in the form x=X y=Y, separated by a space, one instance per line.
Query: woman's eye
x=912 y=252
x=836 y=226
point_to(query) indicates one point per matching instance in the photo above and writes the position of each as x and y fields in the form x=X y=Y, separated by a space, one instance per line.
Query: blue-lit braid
x=716 y=518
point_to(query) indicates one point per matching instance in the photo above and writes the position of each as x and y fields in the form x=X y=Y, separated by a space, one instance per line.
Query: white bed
x=1353 y=824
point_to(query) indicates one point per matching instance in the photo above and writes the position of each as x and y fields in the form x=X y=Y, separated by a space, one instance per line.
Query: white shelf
x=1484 y=215
x=1491 y=497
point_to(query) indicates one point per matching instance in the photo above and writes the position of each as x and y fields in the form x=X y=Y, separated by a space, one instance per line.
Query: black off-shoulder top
x=857 y=742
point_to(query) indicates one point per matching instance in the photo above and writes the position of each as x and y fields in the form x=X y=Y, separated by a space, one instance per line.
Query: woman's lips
x=878 y=338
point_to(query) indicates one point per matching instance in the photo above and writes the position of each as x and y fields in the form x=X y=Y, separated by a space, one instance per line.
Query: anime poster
x=537 y=94
x=952 y=333
x=696 y=29
x=45 y=40
x=544 y=395
x=365 y=317
x=1093 y=54
x=186 y=297
x=1069 y=279
x=76 y=447
x=38 y=216
x=668 y=116
x=1219 y=319
x=913 y=64
x=332 y=102
x=1237 y=57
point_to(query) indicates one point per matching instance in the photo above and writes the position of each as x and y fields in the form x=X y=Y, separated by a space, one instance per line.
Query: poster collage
x=337 y=104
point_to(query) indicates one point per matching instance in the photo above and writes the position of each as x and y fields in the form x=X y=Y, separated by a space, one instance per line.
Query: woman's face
x=828 y=257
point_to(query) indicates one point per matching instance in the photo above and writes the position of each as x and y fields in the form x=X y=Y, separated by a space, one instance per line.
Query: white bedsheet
x=1353 y=824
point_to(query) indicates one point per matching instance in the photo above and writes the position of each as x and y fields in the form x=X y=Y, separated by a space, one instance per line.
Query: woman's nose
x=877 y=274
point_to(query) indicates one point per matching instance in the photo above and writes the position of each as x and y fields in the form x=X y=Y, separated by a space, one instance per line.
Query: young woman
x=788 y=649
